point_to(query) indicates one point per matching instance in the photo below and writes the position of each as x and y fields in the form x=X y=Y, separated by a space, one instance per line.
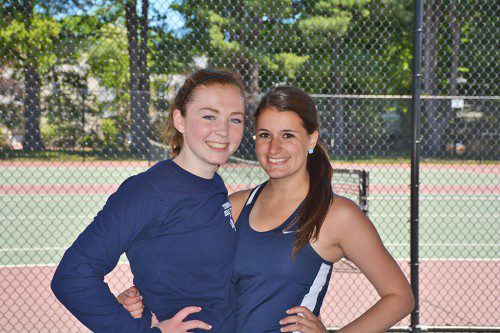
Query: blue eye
x=236 y=121
x=209 y=117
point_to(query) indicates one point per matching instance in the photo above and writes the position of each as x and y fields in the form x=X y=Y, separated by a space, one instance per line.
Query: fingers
x=295 y=328
x=133 y=306
x=131 y=292
x=137 y=313
x=303 y=321
x=132 y=300
x=296 y=323
x=189 y=325
x=135 y=309
x=182 y=314
x=301 y=310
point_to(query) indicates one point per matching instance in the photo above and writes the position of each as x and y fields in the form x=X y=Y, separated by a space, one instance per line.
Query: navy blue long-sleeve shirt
x=177 y=232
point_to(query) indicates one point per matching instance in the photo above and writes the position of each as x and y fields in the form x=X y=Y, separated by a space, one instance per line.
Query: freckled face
x=282 y=143
x=213 y=126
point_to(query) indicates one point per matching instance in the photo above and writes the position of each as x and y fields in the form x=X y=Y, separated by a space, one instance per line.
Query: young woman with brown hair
x=292 y=228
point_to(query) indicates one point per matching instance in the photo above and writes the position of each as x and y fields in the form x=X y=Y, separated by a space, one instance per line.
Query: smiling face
x=212 y=128
x=282 y=143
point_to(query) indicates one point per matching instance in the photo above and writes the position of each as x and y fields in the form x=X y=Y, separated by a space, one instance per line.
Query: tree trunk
x=455 y=29
x=252 y=102
x=32 y=137
x=434 y=119
x=249 y=69
x=139 y=79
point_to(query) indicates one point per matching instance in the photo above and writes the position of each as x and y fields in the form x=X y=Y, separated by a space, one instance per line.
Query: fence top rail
x=354 y=96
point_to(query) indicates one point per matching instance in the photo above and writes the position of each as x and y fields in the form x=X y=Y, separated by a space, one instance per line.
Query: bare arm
x=361 y=243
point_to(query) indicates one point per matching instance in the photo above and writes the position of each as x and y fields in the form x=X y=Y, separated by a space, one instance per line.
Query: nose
x=223 y=128
x=274 y=146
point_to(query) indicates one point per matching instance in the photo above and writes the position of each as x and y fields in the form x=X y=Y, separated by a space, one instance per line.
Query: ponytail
x=318 y=200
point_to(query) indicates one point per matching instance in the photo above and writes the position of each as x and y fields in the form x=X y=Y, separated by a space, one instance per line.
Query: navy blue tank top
x=267 y=280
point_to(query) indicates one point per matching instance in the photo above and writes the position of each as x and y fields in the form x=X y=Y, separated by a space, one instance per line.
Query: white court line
x=39 y=216
x=29 y=265
x=476 y=197
x=58 y=248
x=44 y=265
x=398 y=259
x=39 y=199
x=21 y=249
x=373 y=215
x=444 y=215
x=445 y=244
x=453 y=259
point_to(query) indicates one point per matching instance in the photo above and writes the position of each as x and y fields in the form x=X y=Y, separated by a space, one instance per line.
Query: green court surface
x=44 y=208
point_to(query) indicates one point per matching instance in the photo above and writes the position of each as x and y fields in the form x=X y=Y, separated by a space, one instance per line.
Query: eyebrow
x=285 y=130
x=209 y=109
x=217 y=111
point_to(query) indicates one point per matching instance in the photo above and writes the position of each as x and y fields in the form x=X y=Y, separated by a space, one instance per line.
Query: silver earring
x=311 y=150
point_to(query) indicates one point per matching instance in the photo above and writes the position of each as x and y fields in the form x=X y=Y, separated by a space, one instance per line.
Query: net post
x=415 y=156
x=363 y=191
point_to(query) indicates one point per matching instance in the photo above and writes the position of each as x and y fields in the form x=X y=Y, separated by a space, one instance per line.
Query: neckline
x=191 y=177
x=279 y=227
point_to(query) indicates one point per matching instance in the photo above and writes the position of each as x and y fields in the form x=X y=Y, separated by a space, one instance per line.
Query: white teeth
x=276 y=160
x=217 y=145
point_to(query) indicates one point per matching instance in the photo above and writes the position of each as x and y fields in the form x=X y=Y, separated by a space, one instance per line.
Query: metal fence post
x=415 y=155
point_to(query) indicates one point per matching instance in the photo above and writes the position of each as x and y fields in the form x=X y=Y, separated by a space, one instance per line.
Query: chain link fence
x=84 y=90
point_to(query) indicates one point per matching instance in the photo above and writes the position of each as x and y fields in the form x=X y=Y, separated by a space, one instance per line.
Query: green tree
x=323 y=46
x=26 y=42
x=73 y=104
x=357 y=47
x=257 y=37
x=457 y=45
x=323 y=25
x=137 y=34
x=30 y=44
x=109 y=65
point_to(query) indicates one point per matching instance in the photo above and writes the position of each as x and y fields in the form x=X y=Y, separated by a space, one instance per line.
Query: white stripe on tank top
x=311 y=299
x=250 y=198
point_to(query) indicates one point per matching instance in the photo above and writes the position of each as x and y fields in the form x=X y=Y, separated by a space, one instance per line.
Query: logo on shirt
x=227 y=212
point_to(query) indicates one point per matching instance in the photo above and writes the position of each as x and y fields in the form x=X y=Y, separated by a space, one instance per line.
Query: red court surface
x=27 y=304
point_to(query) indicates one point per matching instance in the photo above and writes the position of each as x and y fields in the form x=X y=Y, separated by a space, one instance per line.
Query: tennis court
x=44 y=206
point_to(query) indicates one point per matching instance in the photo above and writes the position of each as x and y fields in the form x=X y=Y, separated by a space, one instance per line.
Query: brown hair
x=201 y=78
x=311 y=215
